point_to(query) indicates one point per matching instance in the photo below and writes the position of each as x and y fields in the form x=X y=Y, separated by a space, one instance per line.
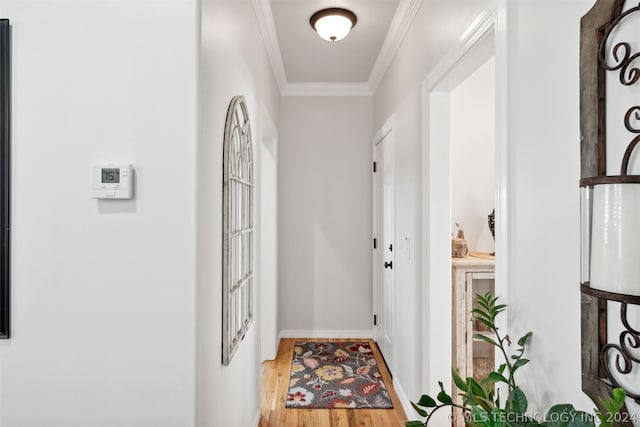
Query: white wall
x=324 y=157
x=544 y=133
x=103 y=292
x=544 y=171
x=436 y=26
x=472 y=134
x=232 y=62
x=428 y=39
x=543 y=199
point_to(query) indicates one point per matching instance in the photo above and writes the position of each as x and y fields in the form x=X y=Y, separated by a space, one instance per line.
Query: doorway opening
x=464 y=175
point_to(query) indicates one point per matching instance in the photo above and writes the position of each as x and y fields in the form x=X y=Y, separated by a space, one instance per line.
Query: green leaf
x=497 y=377
x=414 y=424
x=419 y=410
x=613 y=405
x=486 y=339
x=560 y=415
x=458 y=381
x=485 y=403
x=525 y=338
x=479 y=417
x=427 y=402
x=518 y=364
x=485 y=322
x=581 y=419
x=481 y=313
x=517 y=401
x=443 y=396
x=502 y=368
x=476 y=389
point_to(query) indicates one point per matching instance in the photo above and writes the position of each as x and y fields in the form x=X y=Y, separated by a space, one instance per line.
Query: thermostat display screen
x=110 y=175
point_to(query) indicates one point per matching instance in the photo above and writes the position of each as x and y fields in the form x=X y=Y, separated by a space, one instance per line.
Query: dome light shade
x=333 y=24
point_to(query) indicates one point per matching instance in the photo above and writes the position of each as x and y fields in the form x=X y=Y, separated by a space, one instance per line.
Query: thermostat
x=112 y=182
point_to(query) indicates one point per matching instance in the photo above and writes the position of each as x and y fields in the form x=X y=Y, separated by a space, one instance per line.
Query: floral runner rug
x=335 y=375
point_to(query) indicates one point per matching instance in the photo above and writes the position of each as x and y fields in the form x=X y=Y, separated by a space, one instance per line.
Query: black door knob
x=388 y=264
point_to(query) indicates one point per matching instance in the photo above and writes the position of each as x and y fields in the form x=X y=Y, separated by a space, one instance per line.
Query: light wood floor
x=275 y=384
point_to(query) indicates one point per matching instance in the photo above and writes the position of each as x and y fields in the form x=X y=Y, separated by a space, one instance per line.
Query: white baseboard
x=406 y=403
x=328 y=333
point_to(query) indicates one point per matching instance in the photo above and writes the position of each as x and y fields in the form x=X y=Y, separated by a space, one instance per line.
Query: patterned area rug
x=335 y=375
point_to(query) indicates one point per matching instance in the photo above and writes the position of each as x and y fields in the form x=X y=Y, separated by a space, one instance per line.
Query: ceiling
x=304 y=64
x=308 y=58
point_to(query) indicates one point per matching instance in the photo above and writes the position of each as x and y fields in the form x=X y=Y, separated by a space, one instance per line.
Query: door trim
x=435 y=163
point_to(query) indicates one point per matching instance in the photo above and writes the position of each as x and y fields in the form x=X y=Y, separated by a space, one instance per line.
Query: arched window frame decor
x=238 y=229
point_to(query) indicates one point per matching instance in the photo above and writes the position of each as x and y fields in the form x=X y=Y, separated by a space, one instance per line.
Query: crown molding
x=326 y=89
x=262 y=9
x=479 y=28
x=406 y=12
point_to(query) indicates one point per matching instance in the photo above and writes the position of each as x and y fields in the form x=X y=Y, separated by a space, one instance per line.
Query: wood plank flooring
x=275 y=384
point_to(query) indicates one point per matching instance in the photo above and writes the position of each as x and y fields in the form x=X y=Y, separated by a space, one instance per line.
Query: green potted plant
x=481 y=403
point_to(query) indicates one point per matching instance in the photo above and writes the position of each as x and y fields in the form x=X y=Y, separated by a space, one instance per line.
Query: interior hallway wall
x=544 y=142
x=232 y=62
x=103 y=291
x=400 y=93
x=324 y=190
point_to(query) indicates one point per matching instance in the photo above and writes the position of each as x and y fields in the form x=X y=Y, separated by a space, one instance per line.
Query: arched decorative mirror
x=238 y=277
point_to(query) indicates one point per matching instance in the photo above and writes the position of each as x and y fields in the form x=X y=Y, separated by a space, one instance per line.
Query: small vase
x=459 y=248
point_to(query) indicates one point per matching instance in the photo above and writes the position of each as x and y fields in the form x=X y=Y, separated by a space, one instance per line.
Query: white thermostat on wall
x=112 y=182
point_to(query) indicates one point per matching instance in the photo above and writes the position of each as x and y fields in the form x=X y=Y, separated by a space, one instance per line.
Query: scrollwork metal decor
x=626 y=355
x=628 y=75
x=607 y=280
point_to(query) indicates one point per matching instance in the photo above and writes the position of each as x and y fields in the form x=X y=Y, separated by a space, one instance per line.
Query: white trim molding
x=264 y=15
x=435 y=201
x=479 y=28
x=406 y=12
x=326 y=333
x=326 y=89
x=406 y=403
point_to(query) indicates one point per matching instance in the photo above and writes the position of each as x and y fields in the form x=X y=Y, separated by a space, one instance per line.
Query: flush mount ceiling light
x=333 y=24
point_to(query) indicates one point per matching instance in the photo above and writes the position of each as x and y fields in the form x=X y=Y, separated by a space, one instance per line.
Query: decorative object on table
x=610 y=206
x=5 y=174
x=492 y=227
x=482 y=406
x=459 y=248
x=336 y=375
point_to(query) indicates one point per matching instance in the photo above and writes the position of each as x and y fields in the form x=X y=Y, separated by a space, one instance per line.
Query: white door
x=384 y=259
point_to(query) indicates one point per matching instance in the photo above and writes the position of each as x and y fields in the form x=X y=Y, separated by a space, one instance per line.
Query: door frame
x=436 y=238
x=382 y=133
